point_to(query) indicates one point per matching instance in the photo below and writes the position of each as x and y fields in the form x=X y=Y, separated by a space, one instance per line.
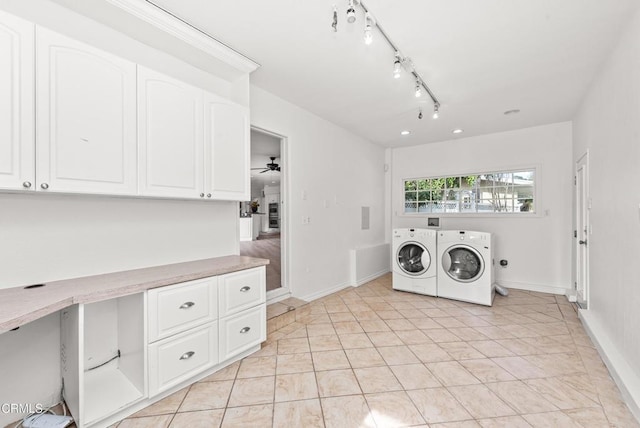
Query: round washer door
x=413 y=258
x=463 y=263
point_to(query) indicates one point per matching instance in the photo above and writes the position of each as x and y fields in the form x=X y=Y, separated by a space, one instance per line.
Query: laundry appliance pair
x=454 y=264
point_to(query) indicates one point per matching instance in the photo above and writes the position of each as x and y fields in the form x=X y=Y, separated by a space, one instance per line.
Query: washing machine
x=414 y=261
x=466 y=270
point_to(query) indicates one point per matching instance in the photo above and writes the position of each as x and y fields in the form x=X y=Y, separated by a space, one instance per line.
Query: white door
x=226 y=150
x=582 y=231
x=17 y=162
x=170 y=140
x=86 y=118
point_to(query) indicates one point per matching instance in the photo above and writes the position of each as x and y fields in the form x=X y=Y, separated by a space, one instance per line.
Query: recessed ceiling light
x=514 y=111
x=405 y=133
x=457 y=131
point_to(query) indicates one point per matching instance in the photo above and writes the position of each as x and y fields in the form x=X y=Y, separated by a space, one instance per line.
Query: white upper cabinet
x=17 y=164
x=170 y=137
x=226 y=149
x=86 y=118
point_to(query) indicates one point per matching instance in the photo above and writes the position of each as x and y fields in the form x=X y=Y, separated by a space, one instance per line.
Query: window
x=491 y=192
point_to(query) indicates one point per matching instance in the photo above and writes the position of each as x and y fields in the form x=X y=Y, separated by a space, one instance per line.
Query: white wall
x=537 y=247
x=339 y=173
x=608 y=125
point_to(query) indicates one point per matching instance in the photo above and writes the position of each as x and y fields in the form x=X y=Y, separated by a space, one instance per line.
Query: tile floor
x=373 y=357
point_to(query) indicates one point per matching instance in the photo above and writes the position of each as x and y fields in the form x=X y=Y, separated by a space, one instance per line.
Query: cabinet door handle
x=26 y=184
x=208 y=195
x=202 y=195
x=45 y=186
x=245 y=330
x=187 y=305
x=187 y=355
x=245 y=289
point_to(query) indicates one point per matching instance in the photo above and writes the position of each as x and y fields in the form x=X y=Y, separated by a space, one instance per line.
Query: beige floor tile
x=168 y=405
x=255 y=367
x=393 y=409
x=439 y=335
x=557 y=364
x=415 y=376
x=385 y=339
x=247 y=392
x=307 y=414
x=563 y=395
x=450 y=322
x=400 y=324
x=366 y=315
x=355 y=340
x=411 y=313
x=551 y=419
x=293 y=346
x=161 y=421
x=491 y=348
x=486 y=370
x=296 y=386
x=377 y=379
x=460 y=424
x=495 y=333
x=324 y=343
x=266 y=350
x=591 y=417
x=334 y=383
x=480 y=402
x=389 y=314
x=294 y=363
x=330 y=360
x=396 y=355
x=472 y=321
x=452 y=373
x=227 y=373
x=505 y=422
x=424 y=323
x=582 y=384
x=521 y=397
x=342 y=317
x=202 y=419
x=325 y=329
x=207 y=396
x=364 y=357
x=249 y=416
x=336 y=307
x=413 y=337
x=519 y=367
x=348 y=411
x=461 y=350
x=468 y=333
x=435 y=313
x=374 y=326
x=430 y=353
x=438 y=405
x=347 y=327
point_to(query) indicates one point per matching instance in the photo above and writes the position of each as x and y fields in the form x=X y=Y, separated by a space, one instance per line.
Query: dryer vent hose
x=502 y=290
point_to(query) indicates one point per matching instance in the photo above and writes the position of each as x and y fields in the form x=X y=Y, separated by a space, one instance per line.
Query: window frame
x=517 y=214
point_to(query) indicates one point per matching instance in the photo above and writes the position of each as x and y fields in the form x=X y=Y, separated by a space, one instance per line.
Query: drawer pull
x=187 y=355
x=245 y=289
x=245 y=330
x=187 y=305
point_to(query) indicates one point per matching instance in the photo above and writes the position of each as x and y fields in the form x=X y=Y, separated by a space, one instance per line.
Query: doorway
x=582 y=231
x=264 y=212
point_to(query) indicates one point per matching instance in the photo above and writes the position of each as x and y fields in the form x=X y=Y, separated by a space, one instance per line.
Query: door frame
x=285 y=290
x=582 y=230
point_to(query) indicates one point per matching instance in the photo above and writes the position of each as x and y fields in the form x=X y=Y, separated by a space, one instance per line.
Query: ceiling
x=480 y=58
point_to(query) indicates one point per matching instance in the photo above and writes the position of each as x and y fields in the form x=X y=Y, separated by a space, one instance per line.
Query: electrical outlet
x=306 y=220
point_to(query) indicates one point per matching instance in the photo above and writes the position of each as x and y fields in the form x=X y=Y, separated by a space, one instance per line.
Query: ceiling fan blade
x=266 y=170
x=278 y=169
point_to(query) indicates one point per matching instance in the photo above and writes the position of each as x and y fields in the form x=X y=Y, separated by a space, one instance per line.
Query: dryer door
x=463 y=263
x=413 y=258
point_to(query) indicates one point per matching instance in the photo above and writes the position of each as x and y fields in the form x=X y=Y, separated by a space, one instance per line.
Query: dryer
x=414 y=261
x=466 y=270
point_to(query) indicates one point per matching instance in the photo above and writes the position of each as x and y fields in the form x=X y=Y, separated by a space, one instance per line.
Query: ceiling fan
x=271 y=166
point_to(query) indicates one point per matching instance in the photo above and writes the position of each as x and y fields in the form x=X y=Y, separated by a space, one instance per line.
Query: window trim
x=516 y=214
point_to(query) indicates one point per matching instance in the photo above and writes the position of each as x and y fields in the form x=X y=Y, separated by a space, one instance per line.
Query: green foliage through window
x=492 y=192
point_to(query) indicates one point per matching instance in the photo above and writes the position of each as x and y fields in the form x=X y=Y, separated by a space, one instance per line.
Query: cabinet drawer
x=242 y=331
x=174 y=360
x=241 y=290
x=176 y=308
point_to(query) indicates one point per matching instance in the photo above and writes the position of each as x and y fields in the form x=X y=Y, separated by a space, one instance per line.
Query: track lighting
x=397 y=67
x=368 y=36
x=351 y=13
x=334 y=23
x=436 y=110
x=418 y=89
x=420 y=113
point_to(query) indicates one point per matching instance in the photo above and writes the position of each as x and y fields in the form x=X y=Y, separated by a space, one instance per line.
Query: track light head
x=334 y=22
x=368 y=35
x=351 y=13
x=397 y=67
x=420 y=113
x=436 y=110
x=418 y=93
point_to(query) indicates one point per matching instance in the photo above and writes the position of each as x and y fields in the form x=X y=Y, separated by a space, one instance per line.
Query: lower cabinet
x=122 y=354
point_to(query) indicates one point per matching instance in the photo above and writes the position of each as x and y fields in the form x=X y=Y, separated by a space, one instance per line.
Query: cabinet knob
x=245 y=289
x=45 y=186
x=245 y=330
x=187 y=355
x=208 y=195
x=186 y=305
x=26 y=184
x=202 y=195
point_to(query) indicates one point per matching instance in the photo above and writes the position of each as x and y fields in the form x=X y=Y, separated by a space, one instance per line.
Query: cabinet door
x=17 y=161
x=169 y=136
x=86 y=118
x=226 y=149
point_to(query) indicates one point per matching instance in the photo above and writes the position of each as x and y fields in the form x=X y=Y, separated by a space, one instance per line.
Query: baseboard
x=318 y=295
x=371 y=277
x=622 y=373
x=534 y=287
